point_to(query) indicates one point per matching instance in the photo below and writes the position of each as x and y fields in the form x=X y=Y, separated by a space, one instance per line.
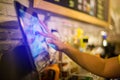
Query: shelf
x=41 y=4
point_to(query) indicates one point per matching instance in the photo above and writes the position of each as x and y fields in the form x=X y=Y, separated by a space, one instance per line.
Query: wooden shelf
x=41 y=4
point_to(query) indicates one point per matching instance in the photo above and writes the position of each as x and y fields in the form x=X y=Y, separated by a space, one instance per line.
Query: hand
x=59 y=45
x=54 y=40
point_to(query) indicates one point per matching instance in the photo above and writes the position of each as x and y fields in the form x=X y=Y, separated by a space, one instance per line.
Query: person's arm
x=109 y=68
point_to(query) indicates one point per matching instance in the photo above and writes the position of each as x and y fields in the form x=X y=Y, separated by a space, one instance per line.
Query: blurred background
x=97 y=31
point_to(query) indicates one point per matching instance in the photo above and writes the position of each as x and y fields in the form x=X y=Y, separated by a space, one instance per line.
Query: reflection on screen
x=36 y=42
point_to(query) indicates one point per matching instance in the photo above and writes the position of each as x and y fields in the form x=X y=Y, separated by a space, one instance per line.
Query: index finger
x=43 y=25
x=49 y=35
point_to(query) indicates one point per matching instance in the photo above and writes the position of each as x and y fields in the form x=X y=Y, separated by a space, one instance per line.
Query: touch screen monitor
x=35 y=43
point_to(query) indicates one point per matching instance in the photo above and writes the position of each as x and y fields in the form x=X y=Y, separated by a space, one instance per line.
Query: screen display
x=30 y=25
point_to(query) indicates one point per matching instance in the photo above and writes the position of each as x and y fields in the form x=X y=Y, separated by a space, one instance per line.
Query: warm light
x=103 y=33
x=104 y=43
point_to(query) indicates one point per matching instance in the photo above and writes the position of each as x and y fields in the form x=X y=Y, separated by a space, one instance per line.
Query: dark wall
x=15 y=65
